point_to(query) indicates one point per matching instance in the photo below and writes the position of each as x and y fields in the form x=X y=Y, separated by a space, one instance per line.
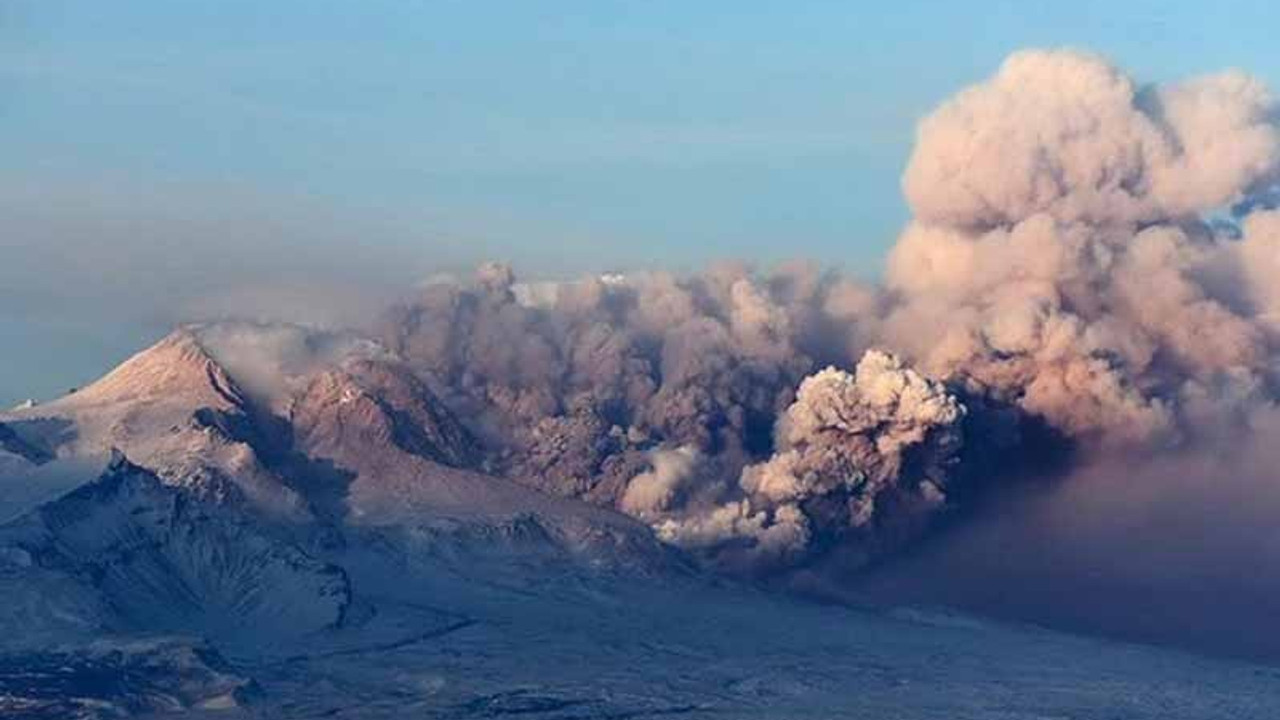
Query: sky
x=167 y=161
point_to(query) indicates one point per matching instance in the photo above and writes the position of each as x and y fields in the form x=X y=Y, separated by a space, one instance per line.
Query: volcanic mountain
x=209 y=528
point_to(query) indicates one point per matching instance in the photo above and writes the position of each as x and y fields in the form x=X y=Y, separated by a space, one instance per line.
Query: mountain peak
x=176 y=367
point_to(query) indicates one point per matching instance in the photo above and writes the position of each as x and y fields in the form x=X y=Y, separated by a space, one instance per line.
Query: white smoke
x=772 y=536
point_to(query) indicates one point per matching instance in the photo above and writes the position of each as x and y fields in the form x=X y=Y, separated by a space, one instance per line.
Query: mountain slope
x=159 y=560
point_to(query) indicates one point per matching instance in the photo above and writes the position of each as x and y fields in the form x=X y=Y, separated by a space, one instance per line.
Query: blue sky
x=162 y=152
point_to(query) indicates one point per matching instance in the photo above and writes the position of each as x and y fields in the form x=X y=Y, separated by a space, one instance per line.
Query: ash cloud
x=654 y=491
x=273 y=361
x=1173 y=547
x=1066 y=266
x=1072 y=355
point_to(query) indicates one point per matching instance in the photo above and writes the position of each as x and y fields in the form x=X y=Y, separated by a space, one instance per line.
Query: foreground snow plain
x=570 y=644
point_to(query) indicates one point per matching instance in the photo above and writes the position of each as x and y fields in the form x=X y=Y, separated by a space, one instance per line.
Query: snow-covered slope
x=157 y=559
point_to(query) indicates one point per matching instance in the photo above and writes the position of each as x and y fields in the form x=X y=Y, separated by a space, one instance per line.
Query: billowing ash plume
x=1074 y=351
x=1060 y=263
x=1072 y=263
